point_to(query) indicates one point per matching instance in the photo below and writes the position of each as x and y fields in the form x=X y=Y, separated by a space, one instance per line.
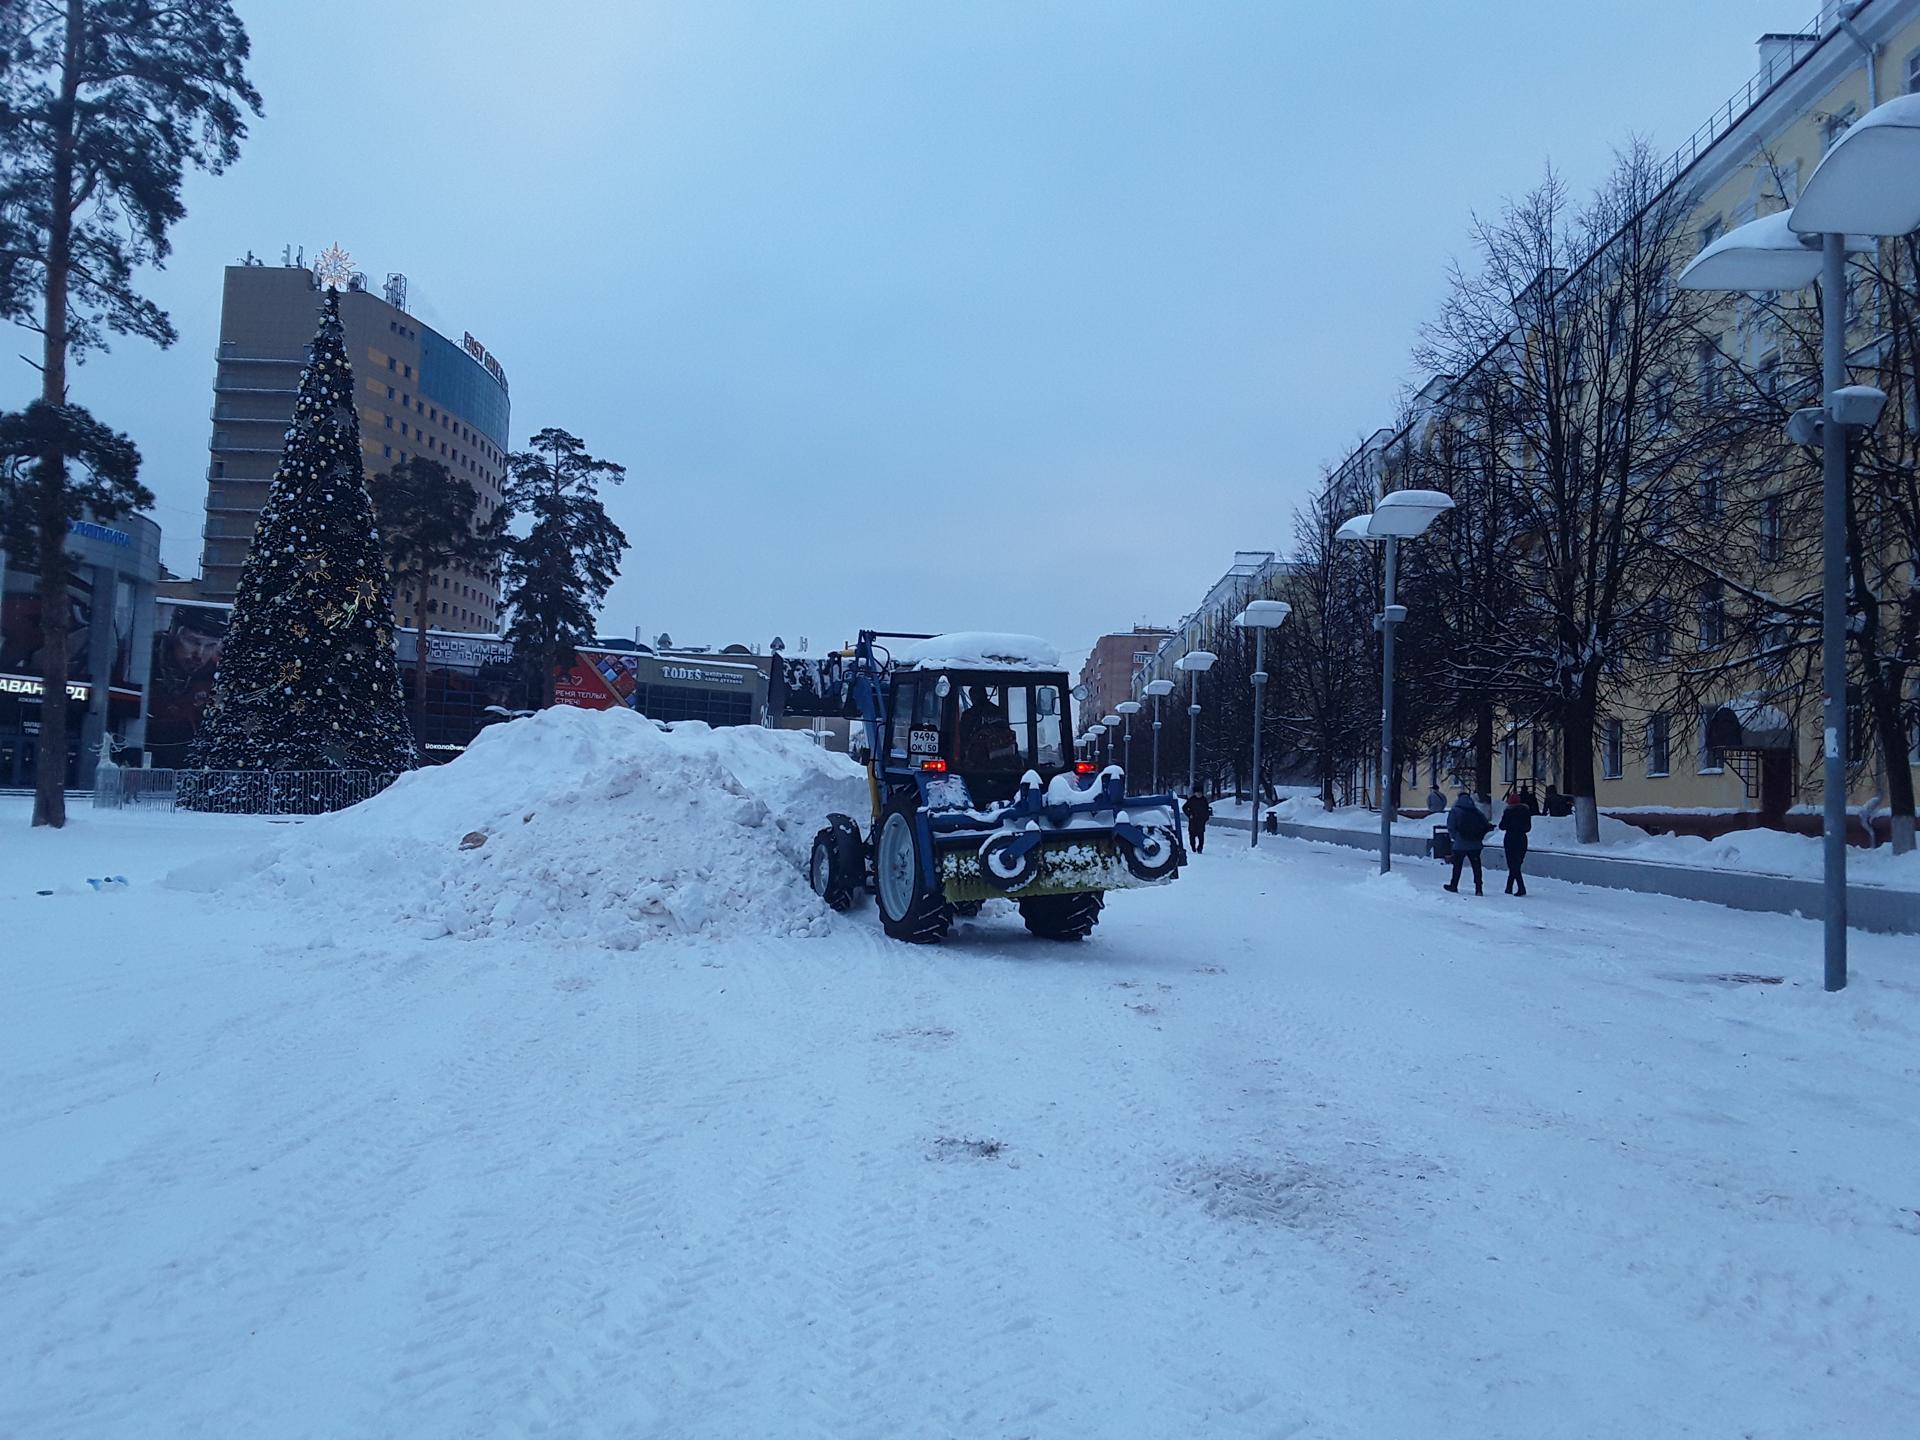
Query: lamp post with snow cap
x=1260 y=616
x=1127 y=709
x=1157 y=688
x=1112 y=723
x=1866 y=186
x=1092 y=739
x=1396 y=516
x=1196 y=663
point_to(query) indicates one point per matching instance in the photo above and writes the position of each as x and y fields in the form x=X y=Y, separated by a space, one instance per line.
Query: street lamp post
x=1157 y=688
x=1862 y=188
x=1196 y=663
x=1400 y=515
x=1112 y=723
x=1127 y=710
x=1260 y=616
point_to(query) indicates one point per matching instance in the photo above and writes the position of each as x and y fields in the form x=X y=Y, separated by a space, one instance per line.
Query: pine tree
x=559 y=572
x=429 y=522
x=104 y=106
x=308 y=680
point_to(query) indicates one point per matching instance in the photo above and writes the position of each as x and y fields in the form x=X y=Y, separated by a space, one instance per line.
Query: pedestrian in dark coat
x=1516 y=822
x=1467 y=827
x=1199 y=811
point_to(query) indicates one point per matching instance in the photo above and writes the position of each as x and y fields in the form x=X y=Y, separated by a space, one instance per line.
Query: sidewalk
x=1880 y=909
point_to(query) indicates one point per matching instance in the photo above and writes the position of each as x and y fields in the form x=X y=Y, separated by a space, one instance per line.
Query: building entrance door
x=16 y=760
x=1776 y=785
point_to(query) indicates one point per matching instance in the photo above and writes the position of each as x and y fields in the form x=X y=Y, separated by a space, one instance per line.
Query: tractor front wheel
x=909 y=909
x=1063 y=917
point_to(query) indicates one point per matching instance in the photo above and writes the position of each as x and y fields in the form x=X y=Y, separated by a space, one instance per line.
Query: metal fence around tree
x=236 y=792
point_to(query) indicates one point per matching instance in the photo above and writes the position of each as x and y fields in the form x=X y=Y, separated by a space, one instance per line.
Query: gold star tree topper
x=333 y=268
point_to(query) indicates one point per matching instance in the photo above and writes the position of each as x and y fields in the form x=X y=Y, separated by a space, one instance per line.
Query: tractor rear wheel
x=909 y=909
x=1063 y=917
x=833 y=869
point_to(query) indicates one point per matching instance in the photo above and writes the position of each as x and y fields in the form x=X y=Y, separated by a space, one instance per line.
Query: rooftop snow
x=979 y=650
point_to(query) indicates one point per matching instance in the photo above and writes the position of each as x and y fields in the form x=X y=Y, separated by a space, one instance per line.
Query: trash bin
x=1441 y=846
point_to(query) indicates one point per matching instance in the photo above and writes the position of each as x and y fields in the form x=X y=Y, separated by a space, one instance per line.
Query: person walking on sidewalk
x=1467 y=827
x=1516 y=821
x=1199 y=811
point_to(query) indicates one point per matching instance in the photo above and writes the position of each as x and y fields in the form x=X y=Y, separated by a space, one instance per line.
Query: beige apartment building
x=1740 y=760
x=419 y=394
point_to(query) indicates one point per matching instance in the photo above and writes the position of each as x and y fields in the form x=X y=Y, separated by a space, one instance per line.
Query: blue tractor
x=976 y=791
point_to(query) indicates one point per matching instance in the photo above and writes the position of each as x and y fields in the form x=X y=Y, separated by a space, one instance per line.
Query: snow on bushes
x=575 y=825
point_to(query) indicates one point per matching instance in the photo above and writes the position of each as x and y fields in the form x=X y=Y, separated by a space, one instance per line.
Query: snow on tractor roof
x=979 y=650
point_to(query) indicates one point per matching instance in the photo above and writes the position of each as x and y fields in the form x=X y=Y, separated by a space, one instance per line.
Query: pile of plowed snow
x=593 y=826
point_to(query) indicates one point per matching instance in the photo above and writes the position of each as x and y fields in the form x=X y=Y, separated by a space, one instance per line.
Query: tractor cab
x=985 y=729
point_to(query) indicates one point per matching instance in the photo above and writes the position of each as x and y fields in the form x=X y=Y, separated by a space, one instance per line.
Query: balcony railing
x=1792 y=50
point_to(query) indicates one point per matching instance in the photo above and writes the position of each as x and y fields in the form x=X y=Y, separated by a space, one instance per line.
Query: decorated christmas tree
x=308 y=679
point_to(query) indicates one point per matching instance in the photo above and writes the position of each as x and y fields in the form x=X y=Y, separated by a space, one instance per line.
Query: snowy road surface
x=1286 y=1150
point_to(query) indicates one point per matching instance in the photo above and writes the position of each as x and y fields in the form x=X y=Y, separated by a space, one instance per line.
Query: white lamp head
x=1158 y=688
x=1402 y=514
x=1112 y=722
x=1263 y=614
x=1866 y=184
x=1763 y=254
x=1128 y=707
x=1200 y=660
x=1358 y=528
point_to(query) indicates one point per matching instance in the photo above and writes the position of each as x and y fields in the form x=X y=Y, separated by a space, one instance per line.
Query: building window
x=1913 y=73
x=1659 y=630
x=1711 y=506
x=1710 y=232
x=1707 y=364
x=219 y=470
x=389 y=392
x=1836 y=125
x=1659 y=509
x=386 y=452
x=1712 y=760
x=392 y=364
x=407 y=370
x=1612 y=734
x=1657 y=751
x=1773 y=534
x=1510 y=758
x=389 y=422
x=1713 y=616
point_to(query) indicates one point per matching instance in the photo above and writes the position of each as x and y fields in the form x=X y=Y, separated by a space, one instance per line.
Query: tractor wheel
x=1157 y=856
x=908 y=909
x=833 y=874
x=1063 y=917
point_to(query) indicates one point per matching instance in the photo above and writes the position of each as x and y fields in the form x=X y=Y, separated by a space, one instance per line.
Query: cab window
x=1048 y=750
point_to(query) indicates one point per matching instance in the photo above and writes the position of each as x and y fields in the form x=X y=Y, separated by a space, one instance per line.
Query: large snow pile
x=583 y=825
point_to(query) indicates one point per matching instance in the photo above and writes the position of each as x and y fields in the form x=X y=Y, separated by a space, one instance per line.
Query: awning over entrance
x=1749 y=725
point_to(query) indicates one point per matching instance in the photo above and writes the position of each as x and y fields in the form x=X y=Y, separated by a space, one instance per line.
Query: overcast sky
x=1015 y=316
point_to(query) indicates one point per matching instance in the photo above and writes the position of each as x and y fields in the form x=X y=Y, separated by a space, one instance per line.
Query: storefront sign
x=700 y=675
x=24 y=685
x=88 y=530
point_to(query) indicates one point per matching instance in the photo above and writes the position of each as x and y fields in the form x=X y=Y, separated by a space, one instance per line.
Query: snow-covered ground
x=1761 y=852
x=1287 y=1148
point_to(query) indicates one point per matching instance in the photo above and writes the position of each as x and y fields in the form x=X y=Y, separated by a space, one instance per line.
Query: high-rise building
x=1113 y=665
x=417 y=392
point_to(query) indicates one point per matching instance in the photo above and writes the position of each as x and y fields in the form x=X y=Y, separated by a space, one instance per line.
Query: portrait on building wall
x=186 y=660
